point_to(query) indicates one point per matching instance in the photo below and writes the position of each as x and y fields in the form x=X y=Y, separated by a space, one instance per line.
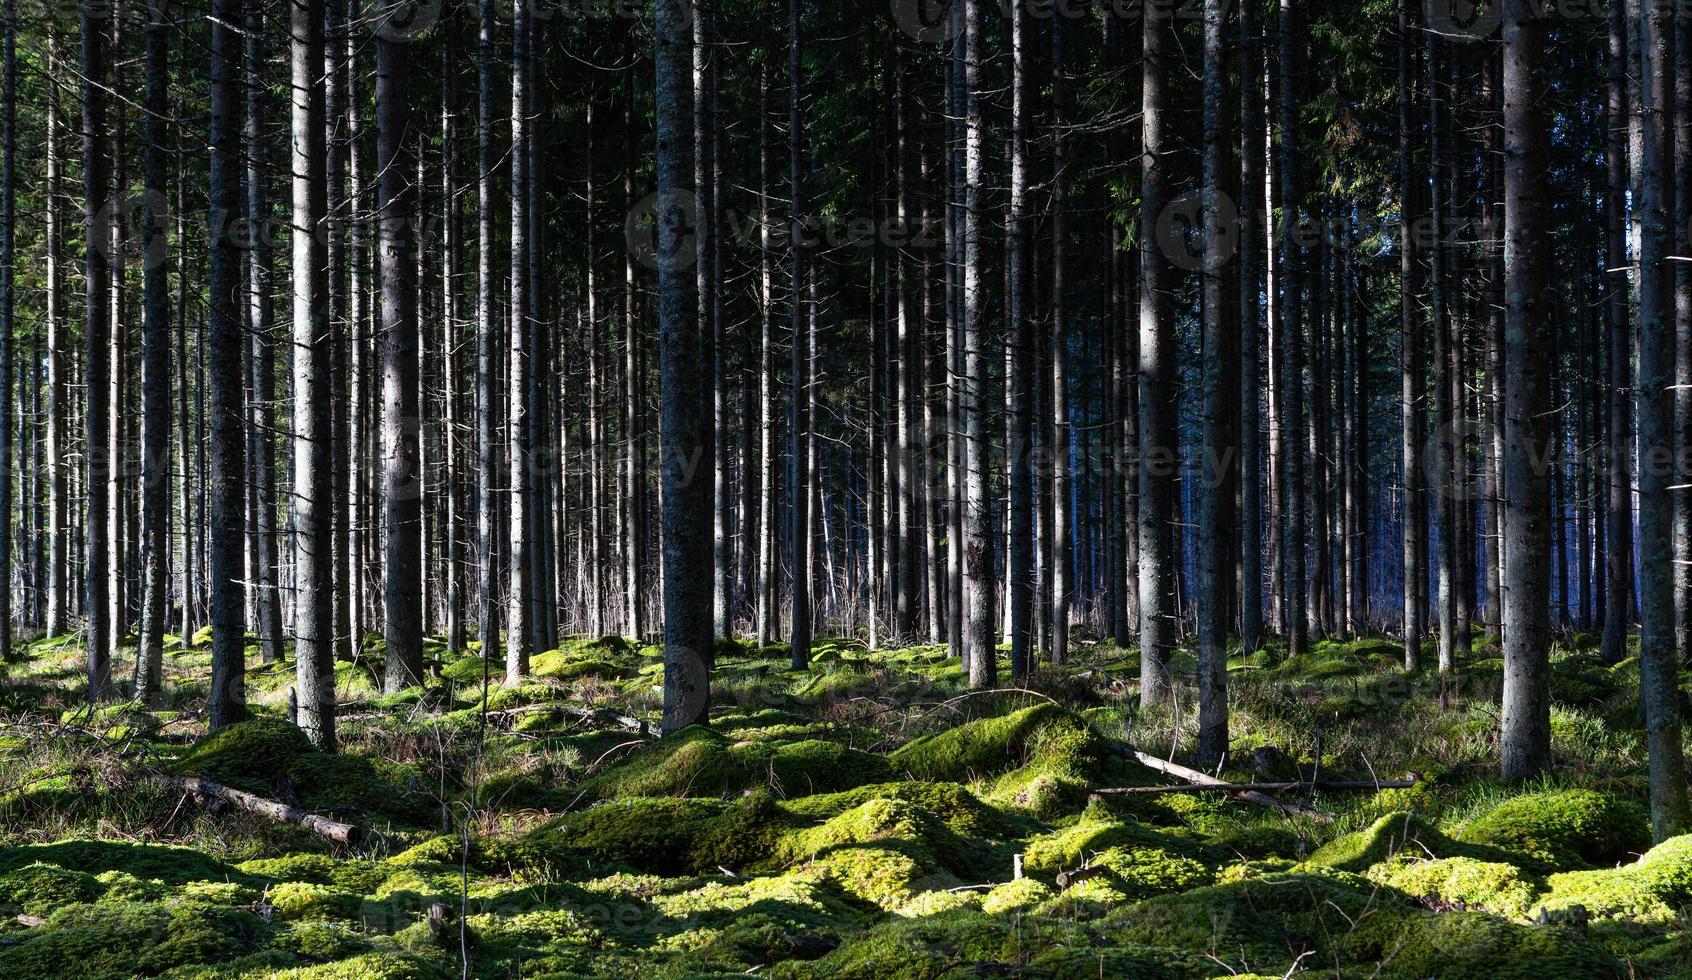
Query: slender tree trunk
x=401 y=450
x=979 y=581
x=1658 y=661
x=1619 y=519
x=58 y=407
x=8 y=254
x=266 y=593
x=1289 y=167
x=1682 y=169
x=1020 y=335
x=768 y=571
x=1063 y=518
x=1157 y=375
x=155 y=365
x=1409 y=285
x=1251 y=257
x=487 y=345
x=634 y=453
x=520 y=623
x=1525 y=743
x=1212 y=606
x=96 y=179
x=313 y=505
x=227 y=703
x=799 y=544
x=687 y=595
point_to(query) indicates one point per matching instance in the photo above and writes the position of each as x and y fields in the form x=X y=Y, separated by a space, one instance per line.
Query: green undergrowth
x=864 y=817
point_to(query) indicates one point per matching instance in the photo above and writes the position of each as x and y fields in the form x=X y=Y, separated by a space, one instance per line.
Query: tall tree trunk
x=1063 y=518
x=687 y=595
x=1409 y=286
x=769 y=501
x=227 y=703
x=1212 y=544
x=979 y=581
x=1658 y=661
x=313 y=503
x=1156 y=369
x=1682 y=138
x=96 y=180
x=802 y=490
x=266 y=593
x=155 y=367
x=8 y=254
x=487 y=345
x=634 y=453
x=1019 y=334
x=1251 y=221
x=1619 y=452
x=1289 y=306
x=1525 y=743
x=401 y=449
x=58 y=408
x=520 y=622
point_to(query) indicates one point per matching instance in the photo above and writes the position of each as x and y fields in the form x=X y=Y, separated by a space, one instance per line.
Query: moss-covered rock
x=249 y=755
x=1477 y=946
x=1567 y=829
x=1044 y=732
x=305 y=900
x=129 y=939
x=40 y=888
x=699 y=762
x=673 y=836
x=1392 y=834
x=1460 y=883
x=1654 y=889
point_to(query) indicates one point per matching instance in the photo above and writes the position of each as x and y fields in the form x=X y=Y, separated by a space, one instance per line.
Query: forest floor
x=860 y=819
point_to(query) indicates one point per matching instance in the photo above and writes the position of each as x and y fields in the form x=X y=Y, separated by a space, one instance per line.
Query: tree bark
x=1525 y=742
x=686 y=503
x=227 y=702
x=1156 y=369
x=520 y=618
x=979 y=582
x=96 y=219
x=1212 y=605
x=799 y=543
x=1019 y=556
x=401 y=449
x=155 y=368
x=1658 y=659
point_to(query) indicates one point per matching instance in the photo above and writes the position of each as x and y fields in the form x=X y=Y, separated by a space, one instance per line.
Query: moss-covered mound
x=274 y=759
x=1567 y=829
x=1656 y=888
x=698 y=762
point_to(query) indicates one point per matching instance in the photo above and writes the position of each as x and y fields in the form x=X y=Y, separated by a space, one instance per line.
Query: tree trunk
x=1212 y=606
x=1251 y=220
x=687 y=583
x=155 y=368
x=520 y=622
x=265 y=593
x=487 y=345
x=227 y=702
x=401 y=449
x=1658 y=662
x=1156 y=369
x=8 y=253
x=1289 y=306
x=313 y=503
x=1525 y=742
x=979 y=582
x=1063 y=519
x=1019 y=333
x=799 y=543
x=1619 y=452
x=1409 y=285
x=96 y=179
x=769 y=499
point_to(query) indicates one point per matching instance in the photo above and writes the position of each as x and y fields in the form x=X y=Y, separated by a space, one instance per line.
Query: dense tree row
x=965 y=324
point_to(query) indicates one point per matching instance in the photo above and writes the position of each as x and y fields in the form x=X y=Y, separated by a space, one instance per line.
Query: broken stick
x=1295 y=786
x=342 y=833
x=1201 y=779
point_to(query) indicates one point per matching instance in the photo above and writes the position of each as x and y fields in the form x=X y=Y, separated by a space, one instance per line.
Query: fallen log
x=1221 y=787
x=341 y=833
x=1197 y=778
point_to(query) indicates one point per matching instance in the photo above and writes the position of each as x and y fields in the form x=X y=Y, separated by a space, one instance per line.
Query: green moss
x=1460 y=883
x=1656 y=888
x=1074 y=846
x=700 y=762
x=1045 y=732
x=128 y=939
x=40 y=888
x=1565 y=829
x=673 y=836
x=1390 y=835
x=1015 y=896
x=370 y=966
x=1477 y=946
x=955 y=806
x=249 y=755
x=305 y=900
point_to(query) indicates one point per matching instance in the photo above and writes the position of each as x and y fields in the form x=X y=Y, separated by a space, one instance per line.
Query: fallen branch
x=1221 y=787
x=1197 y=778
x=342 y=833
x=1076 y=877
